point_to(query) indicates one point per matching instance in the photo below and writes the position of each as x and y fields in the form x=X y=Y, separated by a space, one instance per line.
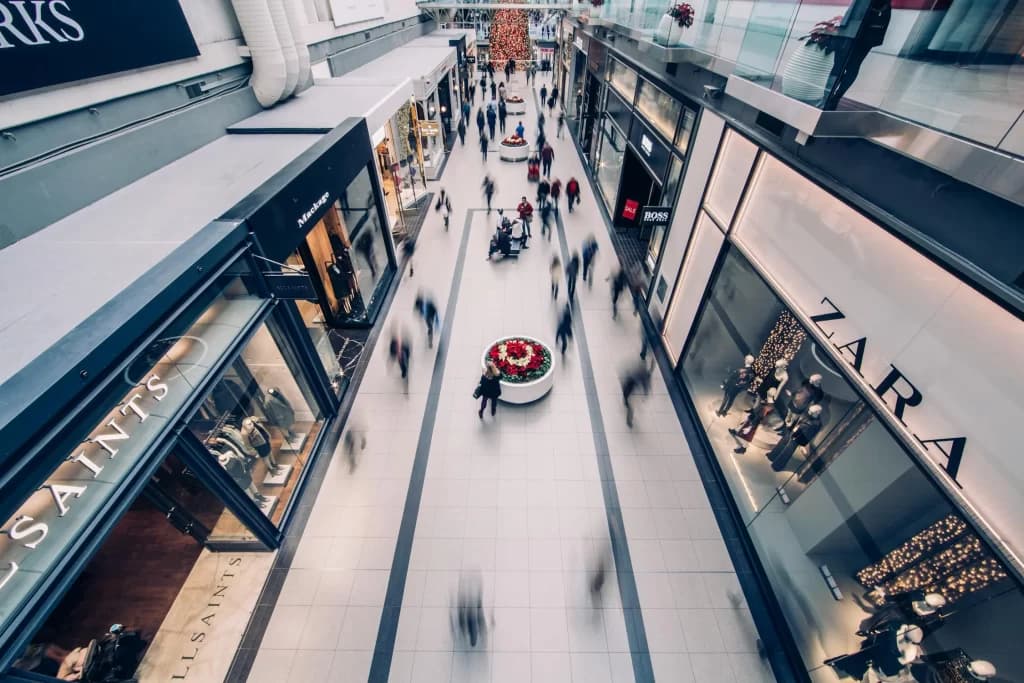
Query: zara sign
x=49 y=42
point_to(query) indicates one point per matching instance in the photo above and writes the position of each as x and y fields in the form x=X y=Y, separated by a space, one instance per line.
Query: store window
x=623 y=79
x=659 y=108
x=348 y=249
x=858 y=542
x=685 y=132
x=729 y=178
x=609 y=162
x=260 y=423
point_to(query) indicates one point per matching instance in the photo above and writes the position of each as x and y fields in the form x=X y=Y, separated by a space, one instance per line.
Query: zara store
x=143 y=488
x=859 y=401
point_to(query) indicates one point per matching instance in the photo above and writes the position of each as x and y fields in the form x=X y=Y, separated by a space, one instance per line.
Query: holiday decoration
x=520 y=360
x=783 y=342
x=682 y=12
x=510 y=37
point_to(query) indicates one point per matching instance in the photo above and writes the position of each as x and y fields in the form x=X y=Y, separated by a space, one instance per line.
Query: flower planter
x=669 y=33
x=805 y=76
x=515 y=108
x=524 y=392
x=513 y=153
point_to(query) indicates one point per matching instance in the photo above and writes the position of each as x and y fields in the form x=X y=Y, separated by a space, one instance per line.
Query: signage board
x=429 y=127
x=49 y=42
x=655 y=216
x=629 y=209
x=291 y=286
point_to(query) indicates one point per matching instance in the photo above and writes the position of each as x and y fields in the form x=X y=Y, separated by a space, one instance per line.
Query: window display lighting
x=912 y=550
x=783 y=342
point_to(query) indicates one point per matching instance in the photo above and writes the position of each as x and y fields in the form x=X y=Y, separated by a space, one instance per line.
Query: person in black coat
x=564 y=331
x=862 y=29
x=480 y=121
x=489 y=389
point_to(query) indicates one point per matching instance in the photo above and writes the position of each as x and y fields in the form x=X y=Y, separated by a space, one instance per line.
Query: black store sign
x=649 y=147
x=654 y=216
x=48 y=42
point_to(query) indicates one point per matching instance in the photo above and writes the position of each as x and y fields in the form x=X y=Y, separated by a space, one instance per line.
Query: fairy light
x=783 y=342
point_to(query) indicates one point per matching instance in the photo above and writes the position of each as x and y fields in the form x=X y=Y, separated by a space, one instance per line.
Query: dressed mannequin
x=737 y=380
x=279 y=410
x=258 y=438
x=238 y=440
x=763 y=407
x=800 y=434
x=809 y=393
x=235 y=465
x=777 y=380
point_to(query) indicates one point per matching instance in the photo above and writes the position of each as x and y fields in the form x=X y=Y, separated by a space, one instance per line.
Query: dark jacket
x=868 y=20
x=490 y=387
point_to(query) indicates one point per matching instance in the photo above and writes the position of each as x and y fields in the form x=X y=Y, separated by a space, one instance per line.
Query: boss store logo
x=49 y=42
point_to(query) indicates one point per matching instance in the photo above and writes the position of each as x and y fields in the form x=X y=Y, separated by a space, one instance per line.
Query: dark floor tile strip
x=643 y=671
x=244 y=658
x=380 y=667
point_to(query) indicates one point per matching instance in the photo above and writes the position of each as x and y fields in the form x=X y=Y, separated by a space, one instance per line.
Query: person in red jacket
x=572 y=192
x=525 y=210
x=556 y=192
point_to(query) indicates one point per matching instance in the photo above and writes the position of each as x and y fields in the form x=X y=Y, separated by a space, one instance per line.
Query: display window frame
x=62 y=438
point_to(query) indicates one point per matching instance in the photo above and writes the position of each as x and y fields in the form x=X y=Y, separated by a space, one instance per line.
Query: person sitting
x=502 y=240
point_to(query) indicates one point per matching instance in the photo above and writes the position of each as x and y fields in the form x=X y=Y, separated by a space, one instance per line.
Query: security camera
x=712 y=92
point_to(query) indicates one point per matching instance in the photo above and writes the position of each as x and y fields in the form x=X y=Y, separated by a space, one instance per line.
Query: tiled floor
x=518 y=500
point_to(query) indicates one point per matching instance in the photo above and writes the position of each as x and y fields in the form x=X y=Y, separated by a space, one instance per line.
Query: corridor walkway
x=525 y=501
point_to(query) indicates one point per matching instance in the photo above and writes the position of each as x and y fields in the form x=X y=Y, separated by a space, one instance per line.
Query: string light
x=913 y=549
x=783 y=342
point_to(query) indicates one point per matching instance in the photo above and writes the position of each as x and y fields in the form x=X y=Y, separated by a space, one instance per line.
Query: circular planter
x=805 y=76
x=524 y=392
x=515 y=108
x=513 y=152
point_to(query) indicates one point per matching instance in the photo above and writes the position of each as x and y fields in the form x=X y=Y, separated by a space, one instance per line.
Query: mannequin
x=258 y=438
x=800 y=434
x=279 y=410
x=238 y=440
x=762 y=409
x=236 y=466
x=777 y=380
x=737 y=380
x=809 y=393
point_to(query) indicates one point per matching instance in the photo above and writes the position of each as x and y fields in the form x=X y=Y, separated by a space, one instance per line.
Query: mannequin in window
x=777 y=380
x=737 y=380
x=809 y=393
x=236 y=466
x=763 y=407
x=799 y=435
x=258 y=438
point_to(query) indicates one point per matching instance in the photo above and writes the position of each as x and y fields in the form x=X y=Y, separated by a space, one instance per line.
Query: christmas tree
x=510 y=38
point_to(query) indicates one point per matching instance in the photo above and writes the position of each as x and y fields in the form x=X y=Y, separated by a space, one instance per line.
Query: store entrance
x=590 y=111
x=638 y=188
x=121 y=619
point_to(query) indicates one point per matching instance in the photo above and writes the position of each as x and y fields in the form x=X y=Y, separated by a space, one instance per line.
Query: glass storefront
x=609 y=162
x=659 y=108
x=855 y=538
x=622 y=79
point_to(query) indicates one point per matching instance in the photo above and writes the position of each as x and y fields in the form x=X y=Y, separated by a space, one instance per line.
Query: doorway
x=638 y=188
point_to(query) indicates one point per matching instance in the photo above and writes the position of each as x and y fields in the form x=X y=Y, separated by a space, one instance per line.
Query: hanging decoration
x=510 y=38
x=946 y=557
x=784 y=341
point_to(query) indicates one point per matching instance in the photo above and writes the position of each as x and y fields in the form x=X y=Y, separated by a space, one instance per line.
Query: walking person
x=525 y=210
x=446 y=214
x=484 y=143
x=543 y=190
x=556 y=277
x=556 y=192
x=636 y=289
x=427 y=310
x=619 y=281
x=399 y=351
x=554 y=93
x=547 y=155
x=502 y=115
x=551 y=105
x=639 y=378
x=543 y=94
x=561 y=124
x=494 y=89
x=467 y=109
x=489 y=389
x=472 y=91
x=408 y=249
x=462 y=131
x=571 y=272
x=480 y=121
x=492 y=119
x=645 y=341
x=572 y=192
x=520 y=130
x=589 y=254
x=488 y=188
x=545 y=220
x=564 y=331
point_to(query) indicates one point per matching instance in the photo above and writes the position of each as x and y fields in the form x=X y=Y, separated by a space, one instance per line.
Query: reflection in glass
x=609 y=164
x=660 y=108
x=260 y=423
x=852 y=534
x=623 y=79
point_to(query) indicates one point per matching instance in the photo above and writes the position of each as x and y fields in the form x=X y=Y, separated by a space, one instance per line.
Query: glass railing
x=952 y=65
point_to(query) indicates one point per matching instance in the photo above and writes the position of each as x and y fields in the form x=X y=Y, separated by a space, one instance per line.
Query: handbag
x=478 y=391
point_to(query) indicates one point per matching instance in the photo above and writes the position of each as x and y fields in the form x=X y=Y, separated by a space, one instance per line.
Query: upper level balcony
x=427 y=5
x=950 y=67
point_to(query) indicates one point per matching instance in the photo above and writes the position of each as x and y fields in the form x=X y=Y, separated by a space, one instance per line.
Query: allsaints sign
x=38 y=533
x=48 y=42
x=894 y=388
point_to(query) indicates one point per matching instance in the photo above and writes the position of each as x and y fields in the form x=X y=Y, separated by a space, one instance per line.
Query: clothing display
x=737 y=380
x=808 y=394
x=777 y=380
x=279 y=410
x=801 y=434
x=257 y=436
x=762 y=408
x=235 y=437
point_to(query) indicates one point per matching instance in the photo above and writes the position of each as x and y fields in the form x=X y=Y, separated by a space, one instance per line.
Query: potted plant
x=597 y=8
x=527 y=368
x=677 y=19
x=805 y=76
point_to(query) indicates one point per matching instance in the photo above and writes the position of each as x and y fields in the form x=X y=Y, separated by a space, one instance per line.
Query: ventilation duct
x=284 y=36
x=269 y=71
x=297 y=21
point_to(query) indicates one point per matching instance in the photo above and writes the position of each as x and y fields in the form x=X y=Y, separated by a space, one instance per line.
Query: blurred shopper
x=489 y=389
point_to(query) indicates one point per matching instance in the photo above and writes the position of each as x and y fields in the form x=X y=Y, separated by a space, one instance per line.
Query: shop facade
x=857 y=399
x=144 y=487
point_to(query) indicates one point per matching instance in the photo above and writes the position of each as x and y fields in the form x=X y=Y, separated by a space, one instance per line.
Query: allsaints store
x=859 y=400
